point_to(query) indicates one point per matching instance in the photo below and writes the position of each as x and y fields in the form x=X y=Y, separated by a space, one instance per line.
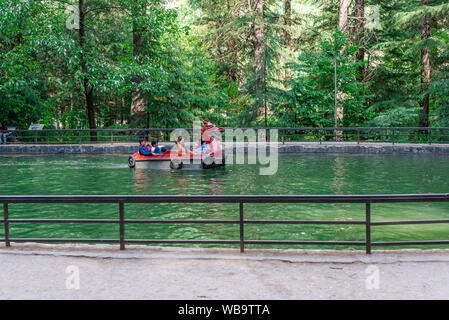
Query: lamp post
x=335 y=92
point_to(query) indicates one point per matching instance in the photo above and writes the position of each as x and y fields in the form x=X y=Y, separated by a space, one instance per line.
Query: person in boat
x=3 y=133
x=144 y=148
x=155 y=149
x=208 y=130
x=181 y=147
x=201 y=148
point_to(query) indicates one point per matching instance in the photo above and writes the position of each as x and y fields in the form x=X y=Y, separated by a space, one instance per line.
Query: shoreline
x=296 y=147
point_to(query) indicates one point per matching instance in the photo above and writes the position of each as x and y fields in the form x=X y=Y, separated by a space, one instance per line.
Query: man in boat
x=208 y=130
x=212 y=137
x=144 y=148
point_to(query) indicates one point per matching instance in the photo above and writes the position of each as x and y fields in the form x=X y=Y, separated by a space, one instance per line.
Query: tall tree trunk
x=359 y=31
x=425 y=68
x=63 y=126
x=88 y=89
x=231 y=73
x=288 y=38
x=122 y=118
x=343 y=15
x=259 y=52
x=342 y=26
x=138 y=99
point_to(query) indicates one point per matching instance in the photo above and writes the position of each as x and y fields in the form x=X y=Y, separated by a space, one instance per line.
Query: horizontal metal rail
x=121 y=200
x=427 y=135
x=223 y=198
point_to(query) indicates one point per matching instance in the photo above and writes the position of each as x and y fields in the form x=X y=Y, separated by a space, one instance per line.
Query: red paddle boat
x=183 y=159
x=173 y=160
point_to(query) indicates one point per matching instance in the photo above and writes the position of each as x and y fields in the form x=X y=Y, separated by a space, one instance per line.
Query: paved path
x=31 y=271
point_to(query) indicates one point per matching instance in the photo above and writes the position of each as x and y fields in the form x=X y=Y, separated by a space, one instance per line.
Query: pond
x=302 y=174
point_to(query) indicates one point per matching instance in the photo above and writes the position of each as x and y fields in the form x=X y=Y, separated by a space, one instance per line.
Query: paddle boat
x=171 y=159
x=176 y=159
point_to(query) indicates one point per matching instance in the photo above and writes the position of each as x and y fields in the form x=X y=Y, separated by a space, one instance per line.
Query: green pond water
x=303 y=174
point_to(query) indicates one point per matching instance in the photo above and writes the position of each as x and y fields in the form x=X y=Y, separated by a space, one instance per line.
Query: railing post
x=368 y=227
x=242 y=234
x=6 y=224
x=320 y=133
x=122 y=225
x=392 y=137
x=430 y=136
x=358 y=136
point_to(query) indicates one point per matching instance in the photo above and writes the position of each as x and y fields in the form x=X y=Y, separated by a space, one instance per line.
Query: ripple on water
x=297 y=174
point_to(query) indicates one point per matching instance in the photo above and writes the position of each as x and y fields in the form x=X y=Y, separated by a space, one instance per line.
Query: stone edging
x=305 y=148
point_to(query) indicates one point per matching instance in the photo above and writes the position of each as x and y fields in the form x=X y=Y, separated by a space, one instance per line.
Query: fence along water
x=240 y=220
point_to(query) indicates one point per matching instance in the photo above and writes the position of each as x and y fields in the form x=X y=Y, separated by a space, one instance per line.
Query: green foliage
x=190 y=91
x=197 y=61
x=20 y=106
x=310 y=101
x=439 y=88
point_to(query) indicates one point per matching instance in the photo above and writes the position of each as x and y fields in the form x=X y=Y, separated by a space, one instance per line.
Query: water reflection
x=178 y=182
x=339 y=173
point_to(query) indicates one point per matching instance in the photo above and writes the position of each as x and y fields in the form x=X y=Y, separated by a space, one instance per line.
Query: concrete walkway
x=32 y=271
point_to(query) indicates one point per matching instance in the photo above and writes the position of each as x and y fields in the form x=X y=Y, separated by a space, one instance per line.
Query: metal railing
x=368 y=200
x=393 y=135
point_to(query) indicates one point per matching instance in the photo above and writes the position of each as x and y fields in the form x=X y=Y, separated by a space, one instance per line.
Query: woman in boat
x=181 y=147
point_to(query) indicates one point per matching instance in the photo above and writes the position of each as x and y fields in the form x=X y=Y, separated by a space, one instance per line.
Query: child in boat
x=201 y=148
x=144 y=149
x=156 y=149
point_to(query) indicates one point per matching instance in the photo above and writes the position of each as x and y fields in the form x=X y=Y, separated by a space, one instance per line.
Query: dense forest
x=152 y=63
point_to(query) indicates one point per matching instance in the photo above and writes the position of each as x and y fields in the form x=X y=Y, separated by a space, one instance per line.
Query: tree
x=309 y=102
x=138 y=99
x=288 y=38
x=343 y=27
x=259 y=52
x=425 y=68
x=88 y=88
x=358 y=34
x=143 y=63
x=343 y=15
